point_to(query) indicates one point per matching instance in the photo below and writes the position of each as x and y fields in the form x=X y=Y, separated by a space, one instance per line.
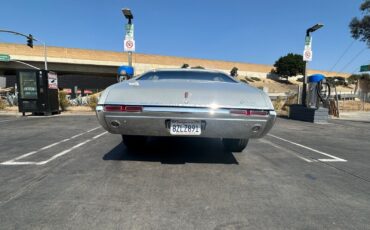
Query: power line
x=344 y=53
x=354 y=58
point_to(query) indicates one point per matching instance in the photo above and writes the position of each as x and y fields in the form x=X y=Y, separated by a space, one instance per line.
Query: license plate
x=185 y=127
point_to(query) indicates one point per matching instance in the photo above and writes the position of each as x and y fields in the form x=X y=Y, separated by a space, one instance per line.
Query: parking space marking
x=286 y=150
x=331 y=159
x=56 y=155
x=7 y=120
x=63 y=152
x=47 y=147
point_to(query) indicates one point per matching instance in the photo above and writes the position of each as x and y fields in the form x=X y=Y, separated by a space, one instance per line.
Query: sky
x=251 y=31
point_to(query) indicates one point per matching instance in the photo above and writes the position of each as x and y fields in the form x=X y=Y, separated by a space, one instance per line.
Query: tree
x=289 y=65
x=360 y=28
x=234 y=72
x=355 y=77
x=184 y=66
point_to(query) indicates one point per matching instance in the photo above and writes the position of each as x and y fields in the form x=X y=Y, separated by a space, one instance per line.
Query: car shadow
x=175 y=151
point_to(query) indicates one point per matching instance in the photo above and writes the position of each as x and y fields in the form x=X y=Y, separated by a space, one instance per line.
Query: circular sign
x=129 y=44
x=308 y=54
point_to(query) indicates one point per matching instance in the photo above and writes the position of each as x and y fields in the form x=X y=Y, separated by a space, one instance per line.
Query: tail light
x=249 y=112
x=112 y=108
x=123 y=108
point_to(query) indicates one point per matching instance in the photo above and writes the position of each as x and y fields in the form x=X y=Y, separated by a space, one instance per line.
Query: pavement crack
x=24 y=189
x=347 y=172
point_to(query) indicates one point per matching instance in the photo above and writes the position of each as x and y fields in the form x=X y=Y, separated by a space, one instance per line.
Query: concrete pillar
x=2 y=79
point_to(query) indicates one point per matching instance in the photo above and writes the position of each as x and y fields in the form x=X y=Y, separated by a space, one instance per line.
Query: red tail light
x=132 y=108
x=249 y=112
x=112 y=108
x=123 y=108
x=259 y=113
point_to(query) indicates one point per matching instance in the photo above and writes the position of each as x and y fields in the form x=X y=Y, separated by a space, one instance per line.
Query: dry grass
x=2 y=104
x=353 y=106
x=92 y=101
x=79 y=109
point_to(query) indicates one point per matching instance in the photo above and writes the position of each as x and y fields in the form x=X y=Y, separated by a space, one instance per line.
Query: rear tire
x=235 y=145
x=134 y=142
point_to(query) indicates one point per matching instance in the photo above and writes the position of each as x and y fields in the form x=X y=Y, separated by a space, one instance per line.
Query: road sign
x=53 y=80
x=130 y=30
x=4 y=57
x=129 y=45
x=308 y=42
x=307 y=55
x=365 y=68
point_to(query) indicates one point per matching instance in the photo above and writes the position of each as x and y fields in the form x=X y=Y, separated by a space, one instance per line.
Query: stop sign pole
x=307 y=58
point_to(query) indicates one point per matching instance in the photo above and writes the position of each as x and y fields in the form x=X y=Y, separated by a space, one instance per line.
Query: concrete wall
x=142 y=62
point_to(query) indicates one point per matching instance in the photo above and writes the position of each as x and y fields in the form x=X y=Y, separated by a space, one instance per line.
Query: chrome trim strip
x=187 y=118
x=185 y=110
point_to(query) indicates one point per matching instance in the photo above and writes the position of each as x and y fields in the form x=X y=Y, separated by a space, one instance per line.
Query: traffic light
x=30 y=40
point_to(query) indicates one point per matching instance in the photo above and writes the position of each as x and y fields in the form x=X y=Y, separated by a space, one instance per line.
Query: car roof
x=186 y=70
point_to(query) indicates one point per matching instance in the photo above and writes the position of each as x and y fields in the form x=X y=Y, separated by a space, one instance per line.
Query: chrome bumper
x=216 y=123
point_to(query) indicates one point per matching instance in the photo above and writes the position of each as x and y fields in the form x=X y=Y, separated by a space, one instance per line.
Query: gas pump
x=125 y=73
x=319 y=91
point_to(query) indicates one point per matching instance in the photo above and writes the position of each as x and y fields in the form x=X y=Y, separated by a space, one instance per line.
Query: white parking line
x=47 y=147
x=56 y=155
x=7 y=120
x=332 y=158
x=286 y=150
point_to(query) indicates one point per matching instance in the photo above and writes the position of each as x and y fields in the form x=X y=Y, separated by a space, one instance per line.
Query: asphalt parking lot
x=65 y=172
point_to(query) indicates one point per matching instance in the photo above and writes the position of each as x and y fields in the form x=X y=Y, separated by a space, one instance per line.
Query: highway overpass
x=96 y=69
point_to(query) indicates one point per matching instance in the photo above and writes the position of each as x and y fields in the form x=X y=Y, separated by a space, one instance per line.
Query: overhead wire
x=344 y=53
x=354 y=58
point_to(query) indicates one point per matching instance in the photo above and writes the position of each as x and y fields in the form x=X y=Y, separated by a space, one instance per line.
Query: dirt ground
x=70 y=110
x=353 y=106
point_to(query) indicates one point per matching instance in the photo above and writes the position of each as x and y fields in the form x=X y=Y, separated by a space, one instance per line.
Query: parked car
x=186 y=102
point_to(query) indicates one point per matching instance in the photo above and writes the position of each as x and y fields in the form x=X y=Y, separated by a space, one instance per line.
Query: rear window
x=186 y=75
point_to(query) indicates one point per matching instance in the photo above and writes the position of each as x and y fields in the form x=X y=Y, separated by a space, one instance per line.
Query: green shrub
x=248 y=79
x=63 y=101
x=92 y=101
x=255 y=79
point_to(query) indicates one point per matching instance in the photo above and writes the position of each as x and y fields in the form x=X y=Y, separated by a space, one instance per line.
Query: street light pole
x=129 y=16
x=30 y=37
x=308 y=38
x=45 y=56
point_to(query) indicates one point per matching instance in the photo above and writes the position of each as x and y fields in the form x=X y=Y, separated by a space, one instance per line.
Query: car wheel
x=134 y=142
x=235 y=145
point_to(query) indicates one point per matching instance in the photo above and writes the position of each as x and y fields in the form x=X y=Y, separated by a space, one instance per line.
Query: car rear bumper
x=154 y=121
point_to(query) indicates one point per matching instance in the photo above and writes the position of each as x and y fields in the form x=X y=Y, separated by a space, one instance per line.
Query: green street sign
x=365 y=68
x=4 y=57
x=308 y=41
x=130 y=30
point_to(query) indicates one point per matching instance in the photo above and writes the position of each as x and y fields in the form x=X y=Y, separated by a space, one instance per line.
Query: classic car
x=183 y=103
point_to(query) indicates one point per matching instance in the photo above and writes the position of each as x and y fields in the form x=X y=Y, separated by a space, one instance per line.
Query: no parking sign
x=129 y=45
x=307 y=55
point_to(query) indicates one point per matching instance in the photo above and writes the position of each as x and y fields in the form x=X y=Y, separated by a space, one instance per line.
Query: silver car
x=186 y=102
